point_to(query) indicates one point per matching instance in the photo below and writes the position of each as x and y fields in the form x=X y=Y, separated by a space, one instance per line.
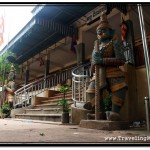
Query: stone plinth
x=78 y=114
x=104 y=124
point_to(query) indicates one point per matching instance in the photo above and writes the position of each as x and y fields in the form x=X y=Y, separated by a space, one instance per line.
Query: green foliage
x=5 y=109
x=107 y=103
x=64 y=88
x=5 y=65
x=64 y=103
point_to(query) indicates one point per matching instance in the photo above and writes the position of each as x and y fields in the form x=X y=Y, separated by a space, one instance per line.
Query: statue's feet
x=92 y=116
x=113 y=116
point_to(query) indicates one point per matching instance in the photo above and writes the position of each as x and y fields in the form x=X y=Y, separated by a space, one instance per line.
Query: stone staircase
x=47 y=110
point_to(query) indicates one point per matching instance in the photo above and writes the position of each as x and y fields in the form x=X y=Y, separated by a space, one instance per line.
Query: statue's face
x=11 y=76
x=103 y=34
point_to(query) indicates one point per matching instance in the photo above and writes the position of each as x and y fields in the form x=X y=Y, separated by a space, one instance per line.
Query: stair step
x=56 y=100
x=32 y=109
x=38 y=121
x=49 y=115
x=47 y=109
x=45 y=117
x=52 y=105
x=60 y=96
x=49 y=105
x=42 y=117
x=69 y=92
x=44 y=111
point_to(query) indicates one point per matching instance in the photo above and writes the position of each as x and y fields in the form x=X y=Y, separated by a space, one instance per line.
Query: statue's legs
x=91 y=89
x=10 y=104
x=90 y=105
x=10 y=99
x=118 y=89
x=118 y=98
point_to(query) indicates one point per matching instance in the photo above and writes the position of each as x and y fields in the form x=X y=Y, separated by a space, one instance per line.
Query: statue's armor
x=113 y=74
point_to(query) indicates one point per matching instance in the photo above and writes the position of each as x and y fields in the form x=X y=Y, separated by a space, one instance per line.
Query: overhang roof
x=64 y=13
x=39 y=35
x=50 y=24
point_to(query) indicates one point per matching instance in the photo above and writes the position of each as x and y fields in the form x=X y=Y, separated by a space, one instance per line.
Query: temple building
x=55 y=48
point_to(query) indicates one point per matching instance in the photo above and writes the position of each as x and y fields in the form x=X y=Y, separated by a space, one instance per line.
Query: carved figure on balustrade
x=9 y=87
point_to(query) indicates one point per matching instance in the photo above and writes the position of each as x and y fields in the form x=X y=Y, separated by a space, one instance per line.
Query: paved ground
x=26 y=132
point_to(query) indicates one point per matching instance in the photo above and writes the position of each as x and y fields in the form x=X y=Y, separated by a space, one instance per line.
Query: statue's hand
x=96 y=58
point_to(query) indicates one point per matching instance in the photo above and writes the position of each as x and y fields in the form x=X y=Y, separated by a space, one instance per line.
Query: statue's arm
x=96 y=59
x=10 y=90
x=118 y=60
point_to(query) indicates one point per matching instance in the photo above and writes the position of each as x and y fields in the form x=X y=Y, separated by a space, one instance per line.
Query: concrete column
x=27 y=74
x=47 y=65
x=80 y=53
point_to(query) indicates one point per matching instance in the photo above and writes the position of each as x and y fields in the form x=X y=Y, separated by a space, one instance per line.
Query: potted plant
x=64 y=103
x=5 y=110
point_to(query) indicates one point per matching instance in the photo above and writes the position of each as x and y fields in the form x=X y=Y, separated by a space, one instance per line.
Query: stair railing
x=23 y=96
x=80 y=82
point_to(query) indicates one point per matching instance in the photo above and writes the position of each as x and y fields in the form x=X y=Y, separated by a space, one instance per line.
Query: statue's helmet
x=103 y=24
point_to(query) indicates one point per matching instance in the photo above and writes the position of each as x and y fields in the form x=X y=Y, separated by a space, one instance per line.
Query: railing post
x=145 y=47
x=45 y=82
x=147 y=112
x=74 y=90
x=24 y=96
x=32 y=89
x=65 y=75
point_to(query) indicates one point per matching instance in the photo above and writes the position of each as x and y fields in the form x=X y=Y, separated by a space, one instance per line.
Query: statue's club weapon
x=97 y=94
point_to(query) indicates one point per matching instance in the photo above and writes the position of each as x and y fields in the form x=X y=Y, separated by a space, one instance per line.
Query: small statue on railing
x=9 y=87
x=108 y=57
